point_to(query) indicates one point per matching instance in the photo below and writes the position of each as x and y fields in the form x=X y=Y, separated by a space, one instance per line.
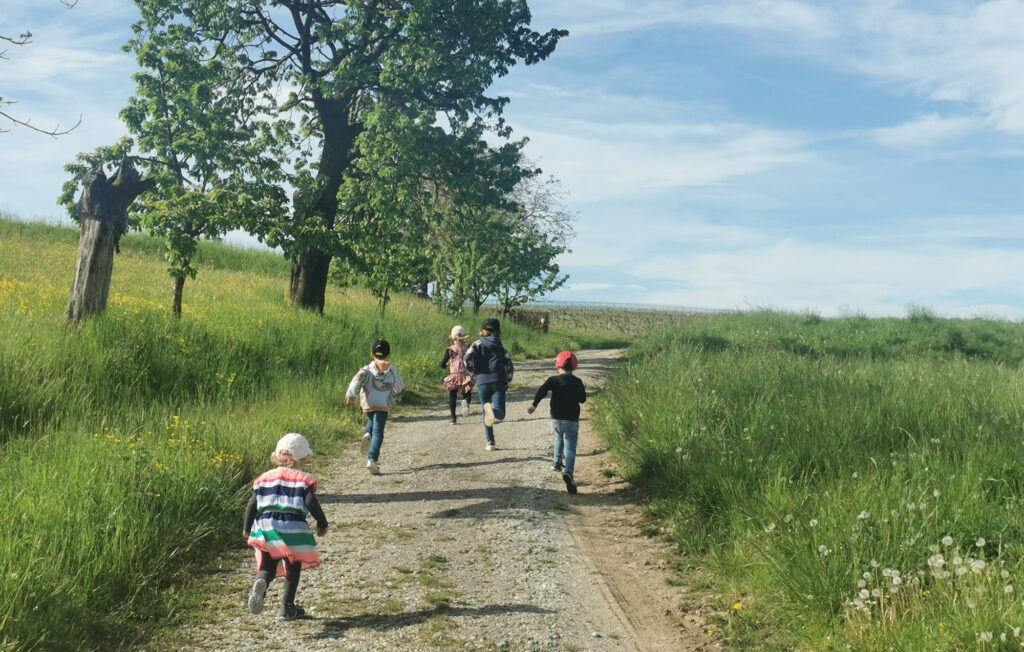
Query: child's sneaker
x=557 y=466
x=372 y=467
x=570 y=484
x=292 y=611
x=453 y=421
x=364 y=446
x=465 y=407
x=491 y=447
x=257 y=595
x=488 y=415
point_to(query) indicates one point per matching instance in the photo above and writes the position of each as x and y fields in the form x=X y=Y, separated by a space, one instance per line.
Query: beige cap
x=295 y=444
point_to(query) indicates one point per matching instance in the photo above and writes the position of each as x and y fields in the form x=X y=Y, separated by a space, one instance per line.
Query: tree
x=508 y=251
x=196 y=134
x=102 y=212
x=24 y=39
x=353 y=62
x=411 y=174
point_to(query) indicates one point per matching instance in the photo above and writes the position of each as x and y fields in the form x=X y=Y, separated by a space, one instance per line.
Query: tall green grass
x=847 y=482
x=128 y=441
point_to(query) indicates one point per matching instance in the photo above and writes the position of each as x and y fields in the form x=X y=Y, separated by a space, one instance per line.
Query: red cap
x=567 y=359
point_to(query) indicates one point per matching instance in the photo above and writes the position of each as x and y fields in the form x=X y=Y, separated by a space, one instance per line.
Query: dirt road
x=454 y=546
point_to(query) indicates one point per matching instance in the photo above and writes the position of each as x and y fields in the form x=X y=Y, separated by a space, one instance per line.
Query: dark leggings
x=452 y=393
x=268 y=571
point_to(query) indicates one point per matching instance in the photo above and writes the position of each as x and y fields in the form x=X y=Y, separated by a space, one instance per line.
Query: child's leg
x=485 y=390
x=451 y=401
x=570 y=433
x=267 y=569
x=291 y=582
x=377 y=420
x=556 y=426
x=498 y=401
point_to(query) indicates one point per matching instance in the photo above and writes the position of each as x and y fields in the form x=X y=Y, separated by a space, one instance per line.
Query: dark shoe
x=292 y=611
x=453 y=422
x=570 y=484
x=557 y=467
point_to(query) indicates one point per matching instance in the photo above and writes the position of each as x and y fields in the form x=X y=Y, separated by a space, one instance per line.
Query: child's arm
x=541 y=393
x=583 y=392
x=399 y=383
x=353 y=387
x=250 y=516
x=315 y=511
x=446 y=358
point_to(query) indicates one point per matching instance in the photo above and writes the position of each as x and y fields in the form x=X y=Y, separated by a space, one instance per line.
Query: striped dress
x=280 y=528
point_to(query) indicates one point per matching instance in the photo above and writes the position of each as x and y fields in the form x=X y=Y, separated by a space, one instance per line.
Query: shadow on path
x=333 y=627
x=489 y=501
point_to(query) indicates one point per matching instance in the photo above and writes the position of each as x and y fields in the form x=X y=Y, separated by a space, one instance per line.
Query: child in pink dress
x=458 y=381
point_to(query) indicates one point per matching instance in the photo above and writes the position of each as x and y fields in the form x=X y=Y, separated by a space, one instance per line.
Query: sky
x=856 y=157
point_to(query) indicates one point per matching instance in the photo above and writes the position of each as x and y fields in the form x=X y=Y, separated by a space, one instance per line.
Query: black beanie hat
x=381 y=349
x=491 y=325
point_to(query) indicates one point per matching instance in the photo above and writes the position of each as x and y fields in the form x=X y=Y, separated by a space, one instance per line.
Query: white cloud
x=597 y=18
x=924 y=131
x=597 y=161
x=794 y=274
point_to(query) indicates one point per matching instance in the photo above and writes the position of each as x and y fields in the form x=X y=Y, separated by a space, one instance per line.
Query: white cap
x=458 y=331
x=295 y=444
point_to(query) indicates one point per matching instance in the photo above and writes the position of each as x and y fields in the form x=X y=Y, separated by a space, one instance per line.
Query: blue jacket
x=488 y=360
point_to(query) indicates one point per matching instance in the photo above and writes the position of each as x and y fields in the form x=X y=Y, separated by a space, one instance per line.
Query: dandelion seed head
x=1008 y=589
x=813 y=522
x=984 y=637
x=980 y=542
x=947 y=540
x=864 y=515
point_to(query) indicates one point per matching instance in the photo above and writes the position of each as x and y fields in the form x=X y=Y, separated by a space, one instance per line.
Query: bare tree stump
x=103 y=213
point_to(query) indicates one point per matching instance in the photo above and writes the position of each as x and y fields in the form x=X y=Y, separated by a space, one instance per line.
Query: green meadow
x=129 y=441
x=838 y=483
x=841 y=483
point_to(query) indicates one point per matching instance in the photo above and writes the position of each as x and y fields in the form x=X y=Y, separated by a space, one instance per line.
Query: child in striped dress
x=275 y=524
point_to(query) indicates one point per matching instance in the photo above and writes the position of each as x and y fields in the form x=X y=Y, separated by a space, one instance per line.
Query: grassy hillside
x=846 y=482
x=128 y=441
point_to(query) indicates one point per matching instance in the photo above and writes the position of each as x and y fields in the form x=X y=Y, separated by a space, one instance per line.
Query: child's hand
x=245 y=534
x=530 y=409
x=349 y=400
x=321 y=531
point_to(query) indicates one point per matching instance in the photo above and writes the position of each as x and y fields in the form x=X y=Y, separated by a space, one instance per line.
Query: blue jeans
x=566 y=434
x=375 y=426
x=493 y=393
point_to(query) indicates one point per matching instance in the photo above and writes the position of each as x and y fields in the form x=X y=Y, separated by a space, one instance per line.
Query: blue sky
x=838 y=157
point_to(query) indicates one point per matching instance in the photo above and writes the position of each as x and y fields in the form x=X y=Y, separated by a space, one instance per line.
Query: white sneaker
x=488 y=415
x=372 y=467
x=465 y=408
x=364 y=446
x=490 y=447
x=257 y=596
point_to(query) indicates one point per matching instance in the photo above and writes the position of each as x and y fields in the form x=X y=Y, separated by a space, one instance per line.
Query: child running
x=377 y=385
x=489 y=362
x=567 y=392
x=281 y=500
x=458 y=381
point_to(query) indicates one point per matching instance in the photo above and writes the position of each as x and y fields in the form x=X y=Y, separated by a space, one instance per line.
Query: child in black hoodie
x=567 y=392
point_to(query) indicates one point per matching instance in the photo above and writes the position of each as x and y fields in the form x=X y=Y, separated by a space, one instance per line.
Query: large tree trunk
x=103 y=213
x=309 y=279
x=308 y=286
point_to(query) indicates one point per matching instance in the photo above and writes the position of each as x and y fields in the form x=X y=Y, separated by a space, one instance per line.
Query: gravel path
x=454 y=546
